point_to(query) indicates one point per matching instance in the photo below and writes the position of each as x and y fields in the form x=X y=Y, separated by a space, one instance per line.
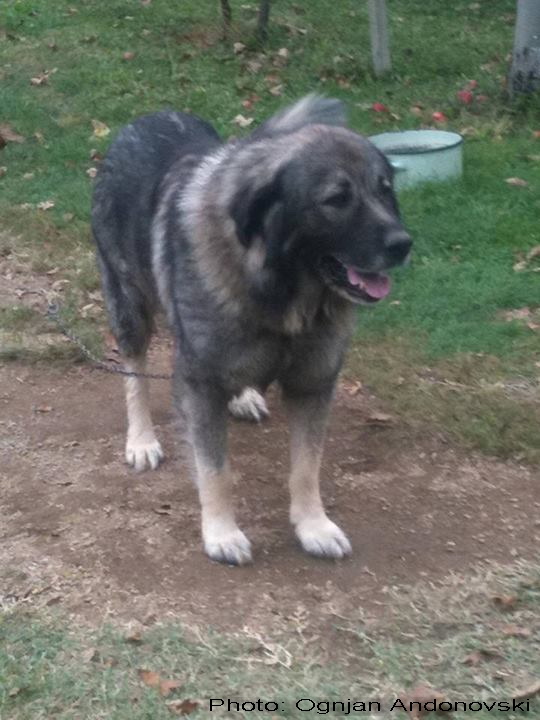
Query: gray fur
x=246 y=246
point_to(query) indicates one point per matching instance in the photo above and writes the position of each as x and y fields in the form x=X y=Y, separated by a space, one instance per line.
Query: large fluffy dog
x=258 y=250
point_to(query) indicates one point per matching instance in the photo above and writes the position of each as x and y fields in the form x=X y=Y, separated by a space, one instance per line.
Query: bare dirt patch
x=83 y=532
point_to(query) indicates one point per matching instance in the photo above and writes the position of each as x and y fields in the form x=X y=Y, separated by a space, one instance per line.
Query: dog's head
x=328 y=207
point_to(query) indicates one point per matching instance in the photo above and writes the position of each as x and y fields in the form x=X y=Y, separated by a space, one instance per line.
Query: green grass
x=48 y=669
x=446 y=308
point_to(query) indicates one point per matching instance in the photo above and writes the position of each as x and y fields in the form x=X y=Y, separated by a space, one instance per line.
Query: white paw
x=226 y=543
x=249 y=405
x=321 y=537
x=144 y=451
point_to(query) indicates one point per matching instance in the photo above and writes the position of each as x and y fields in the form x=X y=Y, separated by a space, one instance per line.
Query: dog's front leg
x=205 y=410
x=318 y=535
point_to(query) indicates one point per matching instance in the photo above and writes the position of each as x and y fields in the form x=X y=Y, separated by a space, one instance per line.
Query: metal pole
x=380 y=44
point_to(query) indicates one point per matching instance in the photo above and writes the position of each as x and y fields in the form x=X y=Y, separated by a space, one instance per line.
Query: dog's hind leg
x=131 y=320
x=142 y=447
x=249 y=405
x=205 y=410
x=307 y=421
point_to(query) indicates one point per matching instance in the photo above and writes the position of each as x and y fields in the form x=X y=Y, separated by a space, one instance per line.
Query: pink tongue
x=376 y=286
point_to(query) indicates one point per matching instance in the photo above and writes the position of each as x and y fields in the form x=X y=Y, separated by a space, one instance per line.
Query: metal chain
x=53 y=311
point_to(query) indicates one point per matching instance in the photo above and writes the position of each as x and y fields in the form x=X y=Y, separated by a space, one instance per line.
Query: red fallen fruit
x=379 y=107
x=465 y=96
x=439 y=117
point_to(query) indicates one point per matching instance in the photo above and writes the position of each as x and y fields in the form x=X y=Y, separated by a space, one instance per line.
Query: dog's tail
x=310 y=110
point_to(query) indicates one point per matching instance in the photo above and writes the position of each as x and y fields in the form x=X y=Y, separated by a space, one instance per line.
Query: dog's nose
x=398 y=244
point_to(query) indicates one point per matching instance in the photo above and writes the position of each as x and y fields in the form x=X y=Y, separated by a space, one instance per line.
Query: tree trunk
x=525 y=72
x=262 y=23
x=227 y=14
x=380 y=44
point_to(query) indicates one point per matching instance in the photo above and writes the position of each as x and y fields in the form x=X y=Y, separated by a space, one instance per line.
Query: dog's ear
x=250 y=207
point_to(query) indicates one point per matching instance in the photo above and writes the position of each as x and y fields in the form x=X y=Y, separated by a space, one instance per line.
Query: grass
x=454 y=637
x=447 y=309
x=441 y=353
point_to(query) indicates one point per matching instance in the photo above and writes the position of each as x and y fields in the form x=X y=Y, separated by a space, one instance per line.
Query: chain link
x=53 y=313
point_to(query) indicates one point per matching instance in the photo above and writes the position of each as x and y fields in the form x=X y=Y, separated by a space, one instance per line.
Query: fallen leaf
x=128 y=56
x=166 y=687
x=7 y=134
x=506 y=602
x=45 y=205
x=91 y=172
x=153 y=679
x=238 y=48
x=242 y=121
x=43 y=408
x=536 y=134
x=100 y=129
x=379 y=418
x=41 y=79
x=480 y=655
x=516 y=631
x=149 y=678
x=283 y=53
x=356 y=388
x=91 y=655
x=183 y=707
x=276 y=91
x=439 y=117
x=516 y=182
x=534 y=253
x=3 y=170
x=528 y=692
x=465 y=96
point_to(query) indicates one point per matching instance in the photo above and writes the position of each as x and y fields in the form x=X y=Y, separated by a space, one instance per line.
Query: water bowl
x=422 y=155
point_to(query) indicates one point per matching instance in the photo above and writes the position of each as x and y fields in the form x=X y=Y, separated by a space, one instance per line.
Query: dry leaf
x=506 y=602
x=91 y=172
x=379 y=418
x=45 y=205
x=276 y=90
x=528 y=692
x=149 y=678
x=238 y=48
x=516 y=182
x=41 y=79
x=183 y=707
x=43 y=408
x=242 y=121
x=355 y=388
x=477 y=656
x=7 y=134
x=100 y=129
x=516 y=631
x=166 y=687
x=128 y=56
x=283 y=53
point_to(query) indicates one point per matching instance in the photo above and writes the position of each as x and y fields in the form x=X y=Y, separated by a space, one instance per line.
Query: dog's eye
x=339 y=198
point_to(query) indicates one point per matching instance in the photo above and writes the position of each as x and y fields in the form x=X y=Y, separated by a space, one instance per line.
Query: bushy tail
x=310 y=110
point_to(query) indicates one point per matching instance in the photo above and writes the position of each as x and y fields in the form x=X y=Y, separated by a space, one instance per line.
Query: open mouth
x=357 y=285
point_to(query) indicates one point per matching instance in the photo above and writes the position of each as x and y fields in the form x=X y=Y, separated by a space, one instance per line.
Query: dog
x=258 y=250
